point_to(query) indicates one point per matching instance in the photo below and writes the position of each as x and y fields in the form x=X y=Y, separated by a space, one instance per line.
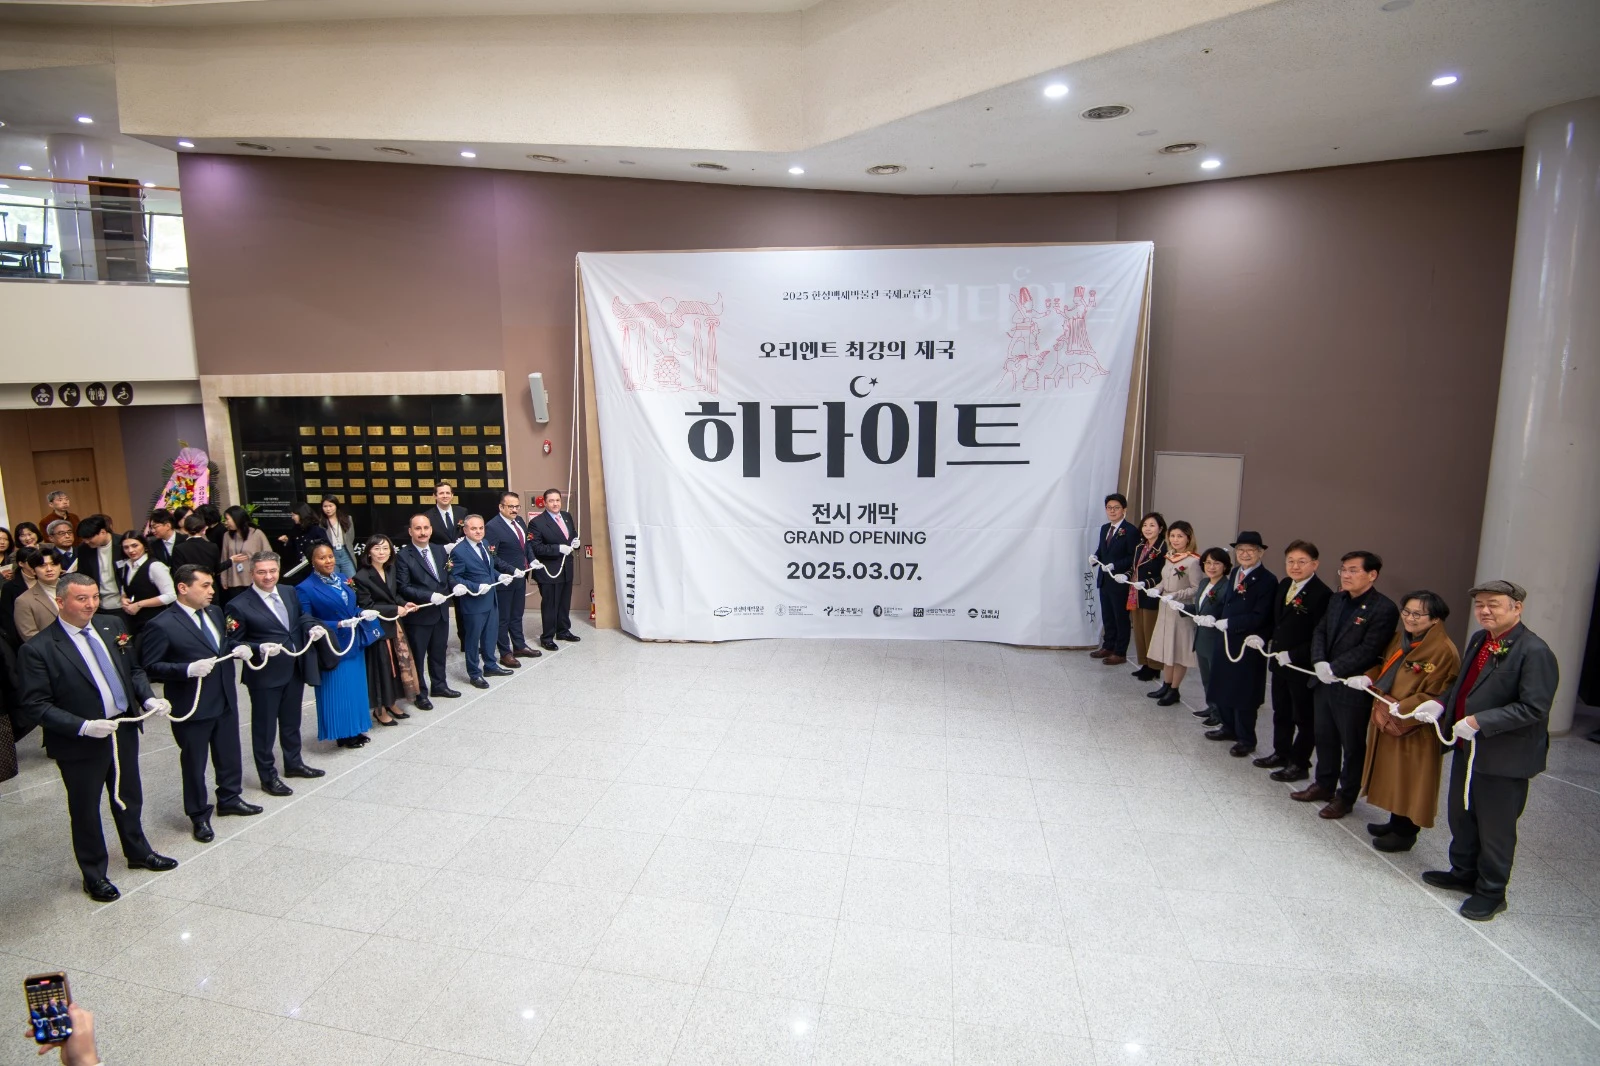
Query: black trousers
x=1341 y=732
x=1483 y=839
x=428 y=644
x=1241 y=721
x=513 y=600
x=1294 y=717
x=219 y=738
x=275 y=712
x=86 y=781
x=1114 y=617
x=555 y=603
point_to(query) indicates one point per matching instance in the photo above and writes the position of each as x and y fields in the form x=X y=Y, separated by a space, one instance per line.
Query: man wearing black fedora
x=1238 y=688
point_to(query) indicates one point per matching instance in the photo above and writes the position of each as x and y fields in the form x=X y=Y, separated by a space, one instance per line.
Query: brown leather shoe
x=1337 y=809
x=1113 y=660
x=1099 y=653
x=1315 y=794
x=509 y=662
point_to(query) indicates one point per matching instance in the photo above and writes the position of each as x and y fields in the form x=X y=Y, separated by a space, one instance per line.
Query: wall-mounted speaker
x=541 y=399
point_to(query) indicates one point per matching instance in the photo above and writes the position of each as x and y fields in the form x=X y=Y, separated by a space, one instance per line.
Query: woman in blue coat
x=343 y=714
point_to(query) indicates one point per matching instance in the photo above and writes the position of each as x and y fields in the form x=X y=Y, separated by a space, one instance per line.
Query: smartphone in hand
x=48 y=997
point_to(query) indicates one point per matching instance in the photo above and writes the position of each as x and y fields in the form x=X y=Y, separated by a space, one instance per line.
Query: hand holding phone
x=48 y=999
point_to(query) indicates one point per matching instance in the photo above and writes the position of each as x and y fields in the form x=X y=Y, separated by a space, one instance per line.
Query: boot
x=1170 y=698
x=1160 y=692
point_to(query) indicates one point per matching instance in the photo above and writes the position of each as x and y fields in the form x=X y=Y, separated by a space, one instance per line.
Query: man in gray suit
x=1502 y=699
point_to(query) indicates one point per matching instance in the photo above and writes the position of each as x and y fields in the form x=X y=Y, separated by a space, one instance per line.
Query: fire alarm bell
x=547 y=447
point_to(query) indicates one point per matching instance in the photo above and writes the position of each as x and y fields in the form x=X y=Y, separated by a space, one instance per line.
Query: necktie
x=521 y=535
x=205 y=630
x=427 y=557
x=118 y=695
x=482 y=554
x=1289 y=596
x=557 y=516
x=278 y=608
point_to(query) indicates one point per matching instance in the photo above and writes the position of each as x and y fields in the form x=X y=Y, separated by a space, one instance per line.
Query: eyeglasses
x=1415 y=616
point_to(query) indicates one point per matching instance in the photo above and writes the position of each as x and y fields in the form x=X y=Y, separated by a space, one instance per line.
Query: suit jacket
x=1149 y=575
x=1510 y=700
x=547 y=538
x=469 y=568
x=198 y=551
x=257 y=625
x=416 y=585
x=159 y=551
x=446 y=532
x=381 y=594
x=44 y=525
x=89 y=565
x=511 y=552
x=1293 y=627
x=171 y=642
x=1356 y=646
x=1116 y=552
x=33 y=612
x=1248 y=613
x=59 y=693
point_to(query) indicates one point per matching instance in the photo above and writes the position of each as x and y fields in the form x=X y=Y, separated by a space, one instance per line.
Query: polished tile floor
x=798 y=852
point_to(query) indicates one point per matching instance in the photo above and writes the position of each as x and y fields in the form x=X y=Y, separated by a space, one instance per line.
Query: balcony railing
x=93 y=230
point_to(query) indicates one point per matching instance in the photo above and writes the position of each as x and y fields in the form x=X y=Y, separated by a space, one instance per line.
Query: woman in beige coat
x=1403 y=755
x=1172 y=641
x=240 y=541
x=36 y=608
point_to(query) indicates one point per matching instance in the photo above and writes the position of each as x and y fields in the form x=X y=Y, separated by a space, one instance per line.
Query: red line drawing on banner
x=1071 y=358
x=653 y=356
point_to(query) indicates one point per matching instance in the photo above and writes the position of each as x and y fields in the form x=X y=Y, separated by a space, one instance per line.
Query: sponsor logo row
x=802 y=610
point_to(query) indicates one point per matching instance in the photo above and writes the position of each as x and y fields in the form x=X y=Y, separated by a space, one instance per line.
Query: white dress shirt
x=274 y=603
x=198 y=619
x=108 y=702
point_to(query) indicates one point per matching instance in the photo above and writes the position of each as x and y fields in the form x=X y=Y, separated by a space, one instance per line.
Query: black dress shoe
x=1270 y=762
x=1211 y=720
x=276 y=787
x=478 y=682
x=569 y=636
x=1482 y=908
x=549 y=645
x=1170 y=698
x=1160 y=692
x=398 y=713
x=152 y=861
x=1394 y=842
x=101 y=890
x=303 y=771
x=495 y=671
x=202 y=830
x=524 y=652
x=1221 y=734
x=1203 y=714
x=422 y=703
x=1449 y=879
x=446 y=691
x=239 y=807
x=1290 y=773
x=1379 y=829
x=1144 y=673
x=1239 y=751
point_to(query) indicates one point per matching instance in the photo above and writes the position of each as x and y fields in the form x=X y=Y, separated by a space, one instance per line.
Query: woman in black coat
x=391 y=673
x=295 y=546
x=1148 y=560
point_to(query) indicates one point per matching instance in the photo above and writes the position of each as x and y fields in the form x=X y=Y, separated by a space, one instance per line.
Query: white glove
x=484 y=588
x=1282 y=657
x=1463 y=731
x=1121 y=579
x=576 y=543
x=158 y=706
x=437 y=598
x=536 y=565
x=1222 y=625
x=1324 y=673
x=1253 y=641
x=201 y=668
x=316 y=633
x=1094 y=560
x=1137 y=586
x=242 y=652
x=460 y=590
x=97 y=727
x=1429 y=712
x=1205 y=621
x=349 y=623
x=506 y=579
x=269 y=650
x=566 y=549
x=1360 y=682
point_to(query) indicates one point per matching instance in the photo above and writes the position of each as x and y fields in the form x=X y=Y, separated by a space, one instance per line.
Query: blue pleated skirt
x=342 y=709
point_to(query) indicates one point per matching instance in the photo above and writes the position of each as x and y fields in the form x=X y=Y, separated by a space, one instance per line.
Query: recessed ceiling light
x=5 y=186
x=1105 y=111
x=389 y=149
x=1445 y=79
x=465 y=154
x=1146 y=133
x=322 y=148
x=977 y=166
x=626 y=162
x=797 y=171
x=708 y=166
x=1474 y=133
x=149 y=184
x=1210 y=164
x=23 y=166
x=253 y=146
x=1056 y=91
x=1180 y=148
x=87 y=120
x=185 y=144
x=885 y=169
x=539 y=157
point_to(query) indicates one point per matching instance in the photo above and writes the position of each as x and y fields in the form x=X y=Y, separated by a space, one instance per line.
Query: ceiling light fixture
x=1181 y=148
x=467 y=154
x=1210 y=164
x=538 y=157
x=87 y=120
x=627 y=162
x=797 y=171
x=1474 y=133
x=1056 y=91
x=23 y=166
x=883 y=170
x=1104 y=112
x=5 y=186
x=185 y=144
x=708 y=166
x=149 y=184
x=976 y=166
x=1146 y=133
x=253 y=146
x=388 y=149
x=322 y=148
x=1444 y=79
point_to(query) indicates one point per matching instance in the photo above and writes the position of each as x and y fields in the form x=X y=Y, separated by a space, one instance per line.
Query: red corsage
x=350 y=582
x=232 y=625
x=1420 y=667
x=123 y=639
x=1498 y=650
x=1298 y=604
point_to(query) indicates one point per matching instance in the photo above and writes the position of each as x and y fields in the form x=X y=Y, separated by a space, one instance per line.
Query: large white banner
x=908 y=443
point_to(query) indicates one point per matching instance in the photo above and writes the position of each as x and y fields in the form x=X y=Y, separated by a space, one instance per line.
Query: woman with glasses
x=1403 y=755
x=1148 y=559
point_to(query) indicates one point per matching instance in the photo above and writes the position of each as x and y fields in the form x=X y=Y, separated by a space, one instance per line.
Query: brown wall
x=1342 y=328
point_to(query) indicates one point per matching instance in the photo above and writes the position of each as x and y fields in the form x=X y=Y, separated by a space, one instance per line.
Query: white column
x=1541 y=520
x=72 y=156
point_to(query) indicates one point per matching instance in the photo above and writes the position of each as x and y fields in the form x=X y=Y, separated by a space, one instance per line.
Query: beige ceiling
x=221 y=12
x=950 y=90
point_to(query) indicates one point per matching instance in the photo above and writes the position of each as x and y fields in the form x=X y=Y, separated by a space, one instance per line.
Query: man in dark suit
x=422 y=573
x=512 y=549
x=444 y=517
x=96 y=557
x=76 y=675
x=164 y=534
x=555 y=542
x=1501 y=702
x=267 y=618
x=1115 y=548
x=1350 y=640
x=177 y=648
x=472 y=568
x=1300 y=602
x=195 y=549
x=1238 y=688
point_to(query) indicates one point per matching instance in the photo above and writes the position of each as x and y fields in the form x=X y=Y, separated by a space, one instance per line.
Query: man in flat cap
x=1502 y=702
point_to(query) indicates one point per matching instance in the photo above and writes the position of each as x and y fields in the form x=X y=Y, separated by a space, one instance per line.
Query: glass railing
x=91 y=231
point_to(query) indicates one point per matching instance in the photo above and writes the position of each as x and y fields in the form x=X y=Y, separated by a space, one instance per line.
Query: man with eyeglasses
x=1349 y=641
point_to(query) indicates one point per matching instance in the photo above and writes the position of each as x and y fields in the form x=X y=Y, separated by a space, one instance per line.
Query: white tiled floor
x=804 y=852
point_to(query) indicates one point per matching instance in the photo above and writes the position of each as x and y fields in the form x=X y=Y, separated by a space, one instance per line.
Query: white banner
x=909 y=443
